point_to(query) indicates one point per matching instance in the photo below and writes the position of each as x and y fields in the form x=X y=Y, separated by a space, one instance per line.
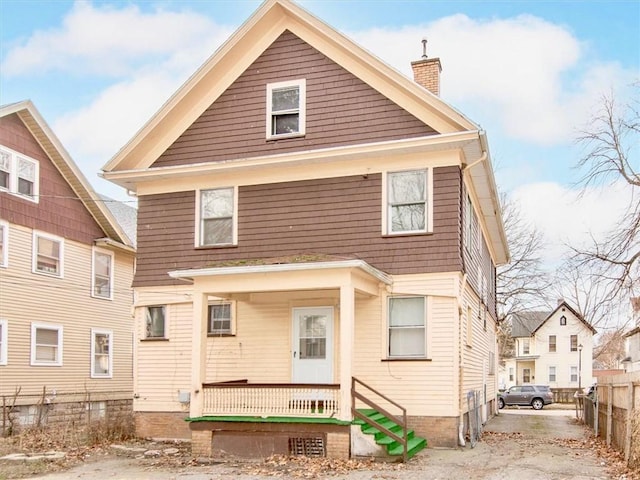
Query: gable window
x=217 y=212
x=101 y=353
x=3 y=342
x=552 y=343
x=155 y=322
x=407 y=210
x=574 y=374
x=525 y=346
x=102 y=278
x=19 y=174
x=4 y=244
x=47 y=254
x=407 y=327
x=563 y=320
x=286 y=108
x=46 y=344
x=219 y=321
x=574 y=343
x=552 y=374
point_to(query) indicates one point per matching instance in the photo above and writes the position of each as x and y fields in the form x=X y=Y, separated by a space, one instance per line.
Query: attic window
x=19 y=174
x=563 y=320
x=286 y=109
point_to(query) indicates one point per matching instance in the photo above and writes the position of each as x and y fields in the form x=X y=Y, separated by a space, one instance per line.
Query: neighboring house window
x=101 y=353
x=492 y=363
x=407 y=202
x=155 y=322
x=48 y=252
x=217 y=209
x=46 y=344
x=286 y=108
x=511 y=372
x=219 y=319
x=468 y=224
x=563 y=320
x=19 y=174
x=552 y=343
x=552 y=374
x=407 y=327
x=574 y=374
x=526 y=375
x=4 y=244
x=469 y=326
x=4 y=338
x=525 y=346
x=102 y=278
x=574 y=343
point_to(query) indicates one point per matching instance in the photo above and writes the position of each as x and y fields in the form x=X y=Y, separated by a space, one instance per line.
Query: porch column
x=198 y=353
x=347 y=329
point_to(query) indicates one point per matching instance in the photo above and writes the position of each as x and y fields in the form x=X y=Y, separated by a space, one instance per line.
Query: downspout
x=461 y=441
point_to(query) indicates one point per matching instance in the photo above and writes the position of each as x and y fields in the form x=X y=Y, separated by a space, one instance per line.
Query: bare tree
x=521 y=284
x=611 y=144
x=610 y=350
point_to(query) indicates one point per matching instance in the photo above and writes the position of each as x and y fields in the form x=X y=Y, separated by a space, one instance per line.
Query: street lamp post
x=580 y=368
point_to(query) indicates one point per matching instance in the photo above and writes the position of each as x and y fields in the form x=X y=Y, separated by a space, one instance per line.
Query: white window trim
x=95 y=251
x=109 y=333
x=13 y=175
x=34 y=260
x=555 y=374
x=387 y=353
x=4 y=257
x=386 y=228
x=232 y=313
x=302 y=108
x=234 y=234
x=571 y=374
x=4 y=326
x=59 y=328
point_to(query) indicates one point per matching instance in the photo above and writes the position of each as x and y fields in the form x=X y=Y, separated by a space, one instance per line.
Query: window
x=219 y=319
x=511 y=374
x=407 y=327
x=102 y=274
x=217 y=223
x=19 y=174
x=46 y=344
x=525 y=346
x=4 y=244
x=552 y=374
x=101 y=353
x=574 y=374
x=469 y=327
x=155 y=321
x=3 y=342
x=407 y=202
x=552 y=343
x=47 y=254
x=574 y=343
x=526 y=375
x=286 y=108
x=492 y=363
x=468 y=224
x=563 y=320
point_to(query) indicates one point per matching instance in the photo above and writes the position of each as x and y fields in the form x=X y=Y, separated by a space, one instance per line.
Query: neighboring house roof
x=130 y=166
x=52 y=146
x=526 y=324
x=125 y=215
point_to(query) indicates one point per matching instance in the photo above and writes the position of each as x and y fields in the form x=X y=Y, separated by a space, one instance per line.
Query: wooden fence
x=615 y=414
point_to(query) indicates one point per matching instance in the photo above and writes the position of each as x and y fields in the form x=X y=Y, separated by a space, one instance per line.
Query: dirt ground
x=516 y=444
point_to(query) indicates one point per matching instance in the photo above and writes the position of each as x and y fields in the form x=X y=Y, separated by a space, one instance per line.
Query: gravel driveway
x=517 y=444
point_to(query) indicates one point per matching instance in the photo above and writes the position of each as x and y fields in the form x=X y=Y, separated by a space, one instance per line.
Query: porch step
x=393 y=447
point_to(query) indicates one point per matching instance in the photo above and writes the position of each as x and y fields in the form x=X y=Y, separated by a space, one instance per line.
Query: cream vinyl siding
x=27 y=298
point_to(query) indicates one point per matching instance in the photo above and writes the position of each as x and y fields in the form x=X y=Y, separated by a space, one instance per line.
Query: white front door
x=312 y=345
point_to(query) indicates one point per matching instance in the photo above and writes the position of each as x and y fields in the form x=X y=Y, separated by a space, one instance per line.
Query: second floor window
x=525 y=346
x=574 y=343
x=217 y=216
x=47 y=254
x=552 y=343
x=102 y=279
x=407 y=202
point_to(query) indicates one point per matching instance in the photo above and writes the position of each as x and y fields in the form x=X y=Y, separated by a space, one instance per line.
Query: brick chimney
x=426 y=71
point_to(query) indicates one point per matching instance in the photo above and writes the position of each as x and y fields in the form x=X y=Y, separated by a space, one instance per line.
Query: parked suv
x=535 y=395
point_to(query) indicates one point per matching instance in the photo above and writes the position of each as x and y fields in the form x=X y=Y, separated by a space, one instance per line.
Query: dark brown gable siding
x=341 y=110
x=59 y=212
x=334 y=216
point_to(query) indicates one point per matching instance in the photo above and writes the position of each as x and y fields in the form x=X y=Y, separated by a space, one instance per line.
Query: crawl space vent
x=307 y=446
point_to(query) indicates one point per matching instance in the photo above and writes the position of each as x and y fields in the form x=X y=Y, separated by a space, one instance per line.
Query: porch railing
x=268 y=399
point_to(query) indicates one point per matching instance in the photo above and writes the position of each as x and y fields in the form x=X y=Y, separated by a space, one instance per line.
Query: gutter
x=108 y=242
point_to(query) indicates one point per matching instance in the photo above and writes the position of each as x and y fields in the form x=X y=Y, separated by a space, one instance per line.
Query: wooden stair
x=392 y=446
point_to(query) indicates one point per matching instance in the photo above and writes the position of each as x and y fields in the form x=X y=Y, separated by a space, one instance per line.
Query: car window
x=528 y=389
x=514 y=390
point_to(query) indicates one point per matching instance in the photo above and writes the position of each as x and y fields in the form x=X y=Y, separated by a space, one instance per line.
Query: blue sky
x=530 y=73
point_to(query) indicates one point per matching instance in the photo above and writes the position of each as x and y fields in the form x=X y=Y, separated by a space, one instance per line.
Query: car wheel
x=500 y=403
x=537 y=404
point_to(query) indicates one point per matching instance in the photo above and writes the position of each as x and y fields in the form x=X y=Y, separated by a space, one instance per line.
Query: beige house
x=631 y=361
x=551 y=348
x=314 y=228
x=66 y=267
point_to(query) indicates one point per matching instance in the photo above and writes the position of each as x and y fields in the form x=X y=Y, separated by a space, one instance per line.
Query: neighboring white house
x=554 y=349
x=632 y=341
